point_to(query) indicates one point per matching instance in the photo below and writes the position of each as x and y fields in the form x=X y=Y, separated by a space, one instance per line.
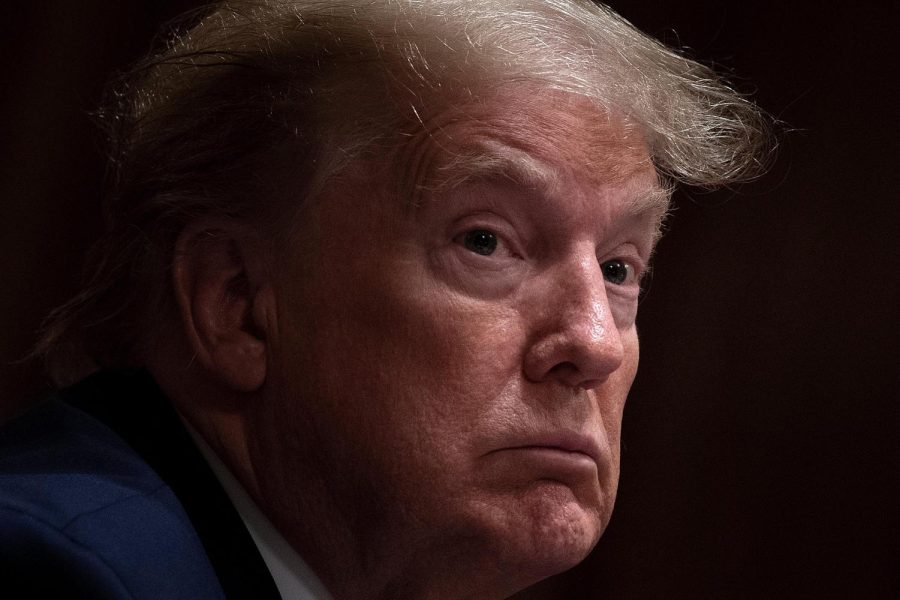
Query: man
x=364 y=319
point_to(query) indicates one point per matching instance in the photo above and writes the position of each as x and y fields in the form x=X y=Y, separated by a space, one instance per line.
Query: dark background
x=760 y=443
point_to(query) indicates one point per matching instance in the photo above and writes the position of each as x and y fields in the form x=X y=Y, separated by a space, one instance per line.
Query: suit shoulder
x=104 y=554
x=57 y=462
x=39 y=561
x=76 y=501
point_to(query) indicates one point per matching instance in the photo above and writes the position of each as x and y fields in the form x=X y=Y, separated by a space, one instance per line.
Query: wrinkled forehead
x=539 y=138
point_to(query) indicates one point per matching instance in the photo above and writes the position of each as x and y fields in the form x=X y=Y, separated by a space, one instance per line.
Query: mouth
x=562 y=448
x=565 y=442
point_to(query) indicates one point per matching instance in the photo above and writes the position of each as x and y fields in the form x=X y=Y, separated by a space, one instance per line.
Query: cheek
x=612 y=400
x=449 y=359
x=402 y=364
x=475 y=344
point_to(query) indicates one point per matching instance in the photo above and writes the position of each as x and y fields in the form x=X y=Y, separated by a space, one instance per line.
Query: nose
x=576 y=340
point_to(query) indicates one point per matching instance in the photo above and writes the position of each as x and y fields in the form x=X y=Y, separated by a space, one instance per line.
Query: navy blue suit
x=104 y=495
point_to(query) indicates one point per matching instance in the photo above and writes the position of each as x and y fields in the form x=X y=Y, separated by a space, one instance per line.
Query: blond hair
x=193 y=126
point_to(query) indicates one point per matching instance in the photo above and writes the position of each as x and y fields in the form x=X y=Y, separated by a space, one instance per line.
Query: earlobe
x=220 y=281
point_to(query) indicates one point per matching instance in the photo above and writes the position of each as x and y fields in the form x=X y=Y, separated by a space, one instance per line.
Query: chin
x=550 y=531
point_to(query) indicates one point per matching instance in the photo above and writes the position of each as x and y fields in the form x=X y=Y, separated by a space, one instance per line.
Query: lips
x=568 y=442
x=562 y=441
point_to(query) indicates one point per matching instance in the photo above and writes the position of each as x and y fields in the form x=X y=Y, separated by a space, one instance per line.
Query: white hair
x=700 y=131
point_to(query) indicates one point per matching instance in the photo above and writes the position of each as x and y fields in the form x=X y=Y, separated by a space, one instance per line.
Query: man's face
x=448 y=375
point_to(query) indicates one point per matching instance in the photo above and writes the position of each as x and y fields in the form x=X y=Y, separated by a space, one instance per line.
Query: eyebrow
x=488 y=160
x=495 y=160
x=653 y=201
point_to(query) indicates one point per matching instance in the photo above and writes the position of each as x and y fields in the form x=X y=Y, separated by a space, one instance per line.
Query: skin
x=418 y=418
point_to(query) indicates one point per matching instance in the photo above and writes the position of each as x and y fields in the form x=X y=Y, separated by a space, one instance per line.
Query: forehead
x=539 y=138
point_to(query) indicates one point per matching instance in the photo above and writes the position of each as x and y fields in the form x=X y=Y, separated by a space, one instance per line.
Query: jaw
x=494 y=546
x=497 y=543
x=459 y=532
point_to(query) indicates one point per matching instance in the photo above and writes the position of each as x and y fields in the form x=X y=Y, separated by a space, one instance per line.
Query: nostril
x=569 y=374
x=563 y=368
x=566 y=372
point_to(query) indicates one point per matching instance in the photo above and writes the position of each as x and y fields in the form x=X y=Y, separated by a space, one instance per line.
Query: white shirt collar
x=293 y=577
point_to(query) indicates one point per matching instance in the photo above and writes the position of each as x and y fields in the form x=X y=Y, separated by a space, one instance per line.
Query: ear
x=221 y=281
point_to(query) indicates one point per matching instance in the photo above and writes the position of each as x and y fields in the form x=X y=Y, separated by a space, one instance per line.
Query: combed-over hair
x=194 y=128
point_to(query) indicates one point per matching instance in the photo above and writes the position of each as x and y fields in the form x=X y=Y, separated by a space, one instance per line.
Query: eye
x=480 y=241
x=617 y=271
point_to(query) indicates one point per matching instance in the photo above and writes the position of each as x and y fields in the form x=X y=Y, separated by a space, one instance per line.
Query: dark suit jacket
x=104 y=495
